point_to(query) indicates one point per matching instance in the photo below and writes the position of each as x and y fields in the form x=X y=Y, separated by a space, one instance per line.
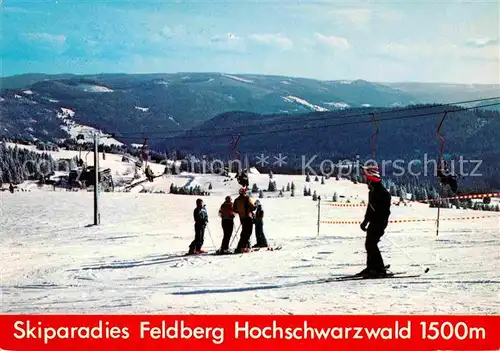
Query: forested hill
x=403 y=135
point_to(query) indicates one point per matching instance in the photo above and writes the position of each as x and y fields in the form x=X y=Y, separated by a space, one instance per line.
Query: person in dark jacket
x=259 y=226
x=244 y=206
x=226 y=213
x=149 y=174
x=446 y=177
x=243 y=179
x=200 y=222
x=375 y=222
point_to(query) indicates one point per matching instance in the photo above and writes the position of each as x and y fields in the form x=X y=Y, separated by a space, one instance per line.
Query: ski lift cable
x=353 y=115
x=374 y=135
x=287 y=130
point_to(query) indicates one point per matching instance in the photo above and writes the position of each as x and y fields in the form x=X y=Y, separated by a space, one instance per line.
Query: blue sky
x=445 y=41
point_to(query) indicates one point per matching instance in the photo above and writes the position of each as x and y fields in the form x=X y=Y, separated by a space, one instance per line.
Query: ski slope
x=54 y=262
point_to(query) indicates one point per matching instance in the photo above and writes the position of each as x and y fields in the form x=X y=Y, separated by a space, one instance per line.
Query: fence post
x=319 y=211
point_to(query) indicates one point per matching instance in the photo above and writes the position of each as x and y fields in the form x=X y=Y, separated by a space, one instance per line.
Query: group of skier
x=374 y=224
x=250 y=213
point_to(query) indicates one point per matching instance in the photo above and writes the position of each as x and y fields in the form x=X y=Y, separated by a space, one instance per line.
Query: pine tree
x=292 y=194
x=261 y=194
x=288 y=187
x=308 y=179
x=316 y=179
x=292 y=187
x=305 y=190
x=322 y=180
x=210 y=186
x=315 y=196
x=270 y=174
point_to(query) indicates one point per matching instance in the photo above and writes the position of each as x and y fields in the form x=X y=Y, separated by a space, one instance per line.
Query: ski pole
x=210 y=234
x=236 y=234
x=426 y=269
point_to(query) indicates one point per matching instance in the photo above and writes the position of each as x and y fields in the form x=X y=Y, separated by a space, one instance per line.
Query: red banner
x=240 y=332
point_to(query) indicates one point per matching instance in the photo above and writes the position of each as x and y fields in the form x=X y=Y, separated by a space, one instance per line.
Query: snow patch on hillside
x=173 y=120
x=53 y=100
x=96 y=88
x=74 y=129
x=238 y=78
x=340 y=105
x=68 y=112
x=286 y=82
x=143 y=109
x=2 y=99
x=25 y=99
x=28 y=92
x=291 y=98
x=365 y=105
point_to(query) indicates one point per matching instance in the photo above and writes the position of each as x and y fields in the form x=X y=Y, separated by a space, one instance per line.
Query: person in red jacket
x=226 y=213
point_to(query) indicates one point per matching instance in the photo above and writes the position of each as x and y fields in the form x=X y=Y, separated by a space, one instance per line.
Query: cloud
x=226 y=38
x=409 y=51
x=389 y=15
x=482 y=42
x=441 y=50
x=56 y=40
x=19 y=10
x=334 y=42
x=357 y=17
x=229 y=43
x=166 y=33
x=279 y=40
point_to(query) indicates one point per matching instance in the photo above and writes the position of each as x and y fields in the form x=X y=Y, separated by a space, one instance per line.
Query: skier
x=447 y=178
x=259 y=226
x=243 y=179
x=244 y=206
x=375 y=222
x=149 y=173
x=200 y=222
x=226 y=212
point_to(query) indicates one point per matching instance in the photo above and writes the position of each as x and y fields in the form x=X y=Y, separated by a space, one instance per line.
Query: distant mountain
x=169 y=103
x=445 y=92
x=296 y=117
x=23 y=81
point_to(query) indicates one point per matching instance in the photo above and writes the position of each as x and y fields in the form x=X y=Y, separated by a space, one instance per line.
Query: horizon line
x=249 y=74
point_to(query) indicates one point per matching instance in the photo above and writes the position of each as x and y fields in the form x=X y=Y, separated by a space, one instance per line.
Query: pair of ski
x=218 y=253
x=388 y=275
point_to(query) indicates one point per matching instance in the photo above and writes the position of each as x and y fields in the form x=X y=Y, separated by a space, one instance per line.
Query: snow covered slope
x=53 y=262
x=121 y=171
